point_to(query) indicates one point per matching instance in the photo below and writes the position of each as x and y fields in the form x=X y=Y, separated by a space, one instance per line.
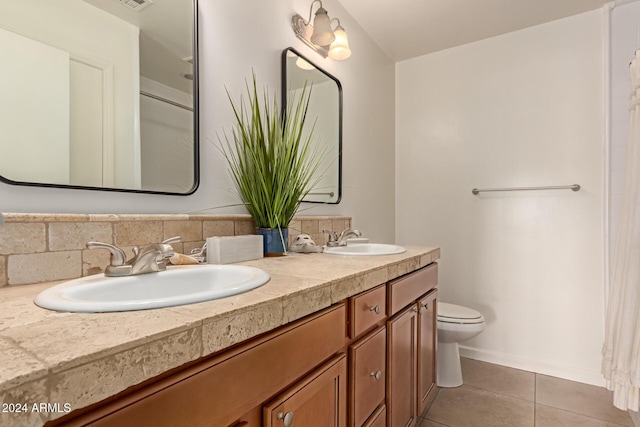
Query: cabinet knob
x=377 y=375
x=376 y=308
x=288 y=418
x=426 y=305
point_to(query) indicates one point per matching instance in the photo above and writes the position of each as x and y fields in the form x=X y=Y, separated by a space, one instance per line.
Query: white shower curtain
x=621 y=351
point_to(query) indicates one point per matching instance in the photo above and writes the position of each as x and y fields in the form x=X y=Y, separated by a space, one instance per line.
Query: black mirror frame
x=196 y=136
x=284 y=95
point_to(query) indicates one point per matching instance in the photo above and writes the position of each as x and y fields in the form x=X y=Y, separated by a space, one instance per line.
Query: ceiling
x=408 y=28
x=168 y=22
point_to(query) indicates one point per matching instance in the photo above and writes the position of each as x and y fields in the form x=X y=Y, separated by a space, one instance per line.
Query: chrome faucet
x=148 y=260
x=336 y=239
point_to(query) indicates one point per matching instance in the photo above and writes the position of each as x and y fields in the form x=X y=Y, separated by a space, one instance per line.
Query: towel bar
x=574 y=187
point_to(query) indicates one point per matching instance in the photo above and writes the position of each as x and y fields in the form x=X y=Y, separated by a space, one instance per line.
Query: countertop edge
x=190 y=332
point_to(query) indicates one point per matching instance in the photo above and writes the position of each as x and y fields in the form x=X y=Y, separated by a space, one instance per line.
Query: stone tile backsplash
x=36 y=248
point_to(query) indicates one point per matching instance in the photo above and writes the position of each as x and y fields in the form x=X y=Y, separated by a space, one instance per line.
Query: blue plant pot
x=272 y=241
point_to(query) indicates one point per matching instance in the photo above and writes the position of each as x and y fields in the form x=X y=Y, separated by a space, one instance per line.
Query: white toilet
x=455 y=324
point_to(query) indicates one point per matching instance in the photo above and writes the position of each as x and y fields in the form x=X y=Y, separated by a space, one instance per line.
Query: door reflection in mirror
x=97 y=94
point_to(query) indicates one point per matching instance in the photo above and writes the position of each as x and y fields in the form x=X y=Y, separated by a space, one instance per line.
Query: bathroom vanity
x=329 y=341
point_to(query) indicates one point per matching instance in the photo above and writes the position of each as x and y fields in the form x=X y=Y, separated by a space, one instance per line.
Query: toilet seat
x=451 y=313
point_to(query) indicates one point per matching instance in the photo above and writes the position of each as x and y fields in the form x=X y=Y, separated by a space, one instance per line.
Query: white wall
x=236 y=38
x=521 y=109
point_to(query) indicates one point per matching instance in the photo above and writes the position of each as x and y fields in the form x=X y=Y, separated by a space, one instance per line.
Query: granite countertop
x=71 y=360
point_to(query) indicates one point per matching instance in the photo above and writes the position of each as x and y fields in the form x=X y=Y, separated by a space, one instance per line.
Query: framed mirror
x=325 y=107
x=100 y=94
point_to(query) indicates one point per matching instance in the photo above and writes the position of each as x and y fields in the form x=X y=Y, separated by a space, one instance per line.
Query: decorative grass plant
x=271 y=160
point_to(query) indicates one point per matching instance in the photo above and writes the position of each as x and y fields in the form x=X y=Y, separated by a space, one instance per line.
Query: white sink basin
x=365 y=249
x=177 y=285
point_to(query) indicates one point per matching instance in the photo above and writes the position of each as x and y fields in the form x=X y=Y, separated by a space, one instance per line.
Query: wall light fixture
x=327 y=41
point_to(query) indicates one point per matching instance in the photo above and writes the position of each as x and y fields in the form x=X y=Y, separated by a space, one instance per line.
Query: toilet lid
x=452 y=313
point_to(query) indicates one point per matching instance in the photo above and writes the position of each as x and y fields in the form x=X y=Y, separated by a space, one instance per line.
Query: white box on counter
x=229 y=249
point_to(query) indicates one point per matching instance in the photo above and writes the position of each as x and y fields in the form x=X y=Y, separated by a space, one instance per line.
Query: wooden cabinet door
x=427 y=326
x=402 y=338
x=319 y=400
x=378 y=419
x=367 y=373
x=252 y=418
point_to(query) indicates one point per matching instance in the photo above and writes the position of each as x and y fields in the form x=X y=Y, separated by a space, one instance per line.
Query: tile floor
x=494 y=395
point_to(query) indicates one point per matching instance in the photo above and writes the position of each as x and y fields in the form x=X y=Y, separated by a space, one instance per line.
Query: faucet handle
x=333 y=236
x=170 y=240
x=350 y=230
x=118 y=257
x=344 y=235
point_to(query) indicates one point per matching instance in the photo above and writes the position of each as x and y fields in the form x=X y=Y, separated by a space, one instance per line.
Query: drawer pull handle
x=288 y=418
x=377 y=375
x=376 y=308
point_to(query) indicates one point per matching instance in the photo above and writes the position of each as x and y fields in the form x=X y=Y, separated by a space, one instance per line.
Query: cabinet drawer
x=368 y=375
x=217 y=392
x=407 y=289
x=366 y=309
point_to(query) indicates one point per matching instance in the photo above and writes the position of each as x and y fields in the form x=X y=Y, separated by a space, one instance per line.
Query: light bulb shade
x=340 y=47
x=304 y=65
x=322 y=33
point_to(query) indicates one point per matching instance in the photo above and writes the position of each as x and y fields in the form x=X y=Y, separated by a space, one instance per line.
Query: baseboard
x=532 y=365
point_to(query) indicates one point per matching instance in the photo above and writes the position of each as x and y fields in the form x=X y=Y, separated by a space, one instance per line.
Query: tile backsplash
x=36 y=248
